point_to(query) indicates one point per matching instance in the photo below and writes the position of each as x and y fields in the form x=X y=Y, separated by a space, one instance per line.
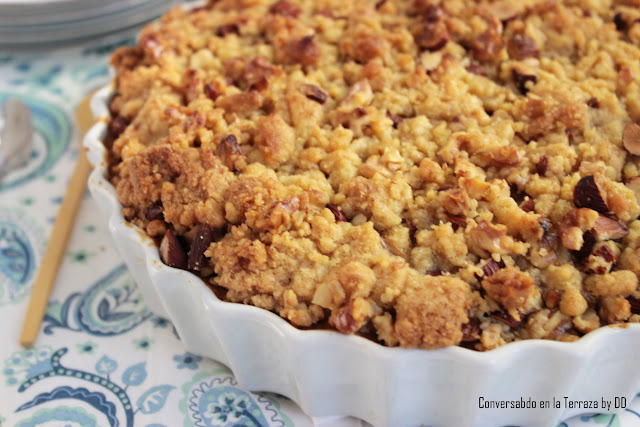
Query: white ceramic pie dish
x=328 y=373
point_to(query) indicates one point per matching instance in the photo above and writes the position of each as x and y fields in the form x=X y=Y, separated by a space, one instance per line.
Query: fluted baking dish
x=328 y=373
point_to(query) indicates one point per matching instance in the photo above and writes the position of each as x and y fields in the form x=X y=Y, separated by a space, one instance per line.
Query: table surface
x=102 y=357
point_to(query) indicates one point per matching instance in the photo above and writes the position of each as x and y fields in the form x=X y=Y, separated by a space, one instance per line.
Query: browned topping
x=456 y=201
x=521 y=79
x=601 y=260
x=258 y=70
x=587 y=194
x=337 y=212
x=211 y=92
x=261 y=85
x=227 y=29
x=156 y=228
x=285 y=8
x=541 y=166
x=510 y=287
x=606 y=228
x=631 y=138
x=171 y=251
x=488 y=45
x=303 y=51
x=635 y=304
x=199 y=245
x=521 y=47
x=432 y=36
x=314 y=93
x=487 y=236
x=229 y=151
x=391 y=247
x=593 y=102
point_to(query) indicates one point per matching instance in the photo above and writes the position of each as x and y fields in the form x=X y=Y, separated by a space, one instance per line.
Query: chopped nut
x=457 y=220
x=199 y=245
x=541 y=165
x=471 y=330
x=552 y=298
x=488 y=45
x=171 y=251
x=285 y=8
x=154 y=212
x=528 y=205
x=391 y=247
x=511 y=288
x=337 y=212
x=477 y=69
x=507 y=319
x=521 y=47
x=487 y=236
x=634 y=304
x=432 y=36
x=572 y=238
x=609 y=229
x=601 y=259
x=303 y=51
x=521 y=79
x=224 y=30
x=258 y=70
x=211 y=92
x=456 y=201
x=156 y=228
x=229 y=151
x=491 y=267
x=314 y=93
x=588 y=194
x=631 y=138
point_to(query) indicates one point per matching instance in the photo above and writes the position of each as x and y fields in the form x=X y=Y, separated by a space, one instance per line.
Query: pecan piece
x=511 y=288
x=471 y=330
x=620 y=22
x=520 y=47
x=432 y=36
x=552 y=298
x=635 y=304
x=171 y=251
x=228 y=150
x=521 y=79
x=258 y=70
x=491 y=267
x=314 y=93
x=488 y=45
x=457 y=221
x=199 y=245
x=211 y=92
x=224 y=30
x=285 y=8
x=541 y=165
x=337 y=212
x=606 y=228
x=631 y=138
x=487 y=236
x=587 y=194
x=303 y=51
x=513 y=322
x=601 y=259
x=154 y=212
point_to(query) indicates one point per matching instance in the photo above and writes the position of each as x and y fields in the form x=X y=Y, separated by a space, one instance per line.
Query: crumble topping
x=423 y=173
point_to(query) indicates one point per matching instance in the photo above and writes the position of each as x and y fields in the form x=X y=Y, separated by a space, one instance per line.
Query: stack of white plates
x=46 y=22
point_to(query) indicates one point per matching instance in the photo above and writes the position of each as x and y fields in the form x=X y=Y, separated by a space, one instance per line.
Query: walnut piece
x=511 y=288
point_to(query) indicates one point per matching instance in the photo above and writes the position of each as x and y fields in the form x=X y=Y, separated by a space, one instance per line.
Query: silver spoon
x=16 y=135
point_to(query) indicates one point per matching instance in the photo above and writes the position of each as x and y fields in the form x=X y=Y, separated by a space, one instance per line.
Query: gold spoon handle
x=62 y=228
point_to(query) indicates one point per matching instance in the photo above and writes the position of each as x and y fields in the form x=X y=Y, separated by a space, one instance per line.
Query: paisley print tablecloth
x=103 y=359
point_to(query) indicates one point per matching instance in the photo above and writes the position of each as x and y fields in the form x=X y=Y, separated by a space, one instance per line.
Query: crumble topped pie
x=423 y=173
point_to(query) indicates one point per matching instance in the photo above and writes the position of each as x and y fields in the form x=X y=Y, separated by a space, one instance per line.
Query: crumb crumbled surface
x=423 y=173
